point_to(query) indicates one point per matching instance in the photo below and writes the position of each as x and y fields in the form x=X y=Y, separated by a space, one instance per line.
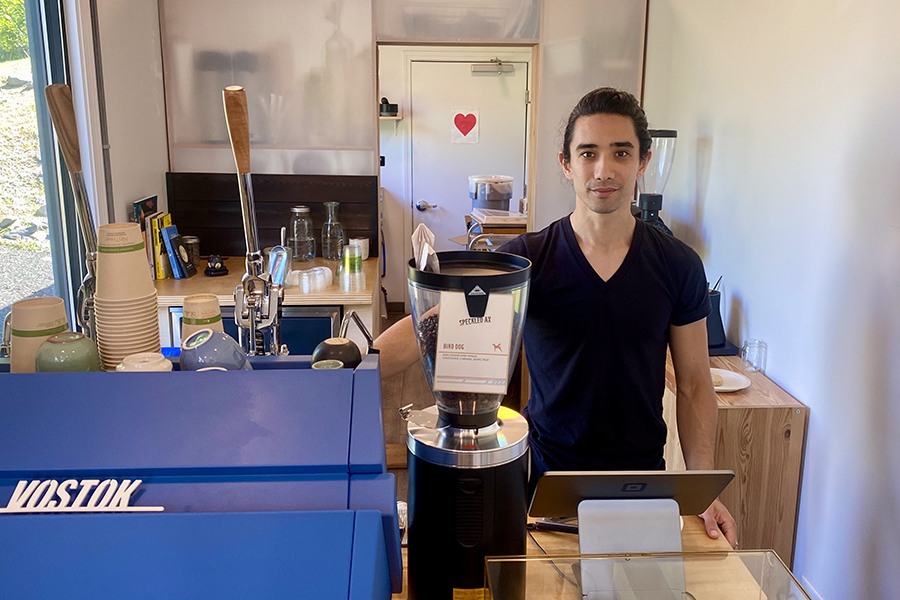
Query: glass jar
x=302 y=239
x=753 y=355
x=332 y=233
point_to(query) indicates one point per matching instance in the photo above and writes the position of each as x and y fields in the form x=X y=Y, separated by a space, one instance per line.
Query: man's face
x=605 y=162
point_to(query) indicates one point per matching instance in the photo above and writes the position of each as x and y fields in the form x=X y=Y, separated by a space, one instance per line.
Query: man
x=608 y=296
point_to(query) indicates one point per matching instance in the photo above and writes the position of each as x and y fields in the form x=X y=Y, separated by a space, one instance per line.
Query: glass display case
x=745 y=575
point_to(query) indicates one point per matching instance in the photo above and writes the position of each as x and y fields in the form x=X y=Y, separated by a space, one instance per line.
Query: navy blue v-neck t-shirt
x=596 y=349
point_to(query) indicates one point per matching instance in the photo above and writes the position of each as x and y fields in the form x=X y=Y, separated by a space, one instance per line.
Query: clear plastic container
x=333 y=239
x=302 y=240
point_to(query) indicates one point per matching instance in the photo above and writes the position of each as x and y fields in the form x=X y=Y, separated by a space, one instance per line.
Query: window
x=36 y=234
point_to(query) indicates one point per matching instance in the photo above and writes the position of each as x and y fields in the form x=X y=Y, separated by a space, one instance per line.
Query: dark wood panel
x=208 y=205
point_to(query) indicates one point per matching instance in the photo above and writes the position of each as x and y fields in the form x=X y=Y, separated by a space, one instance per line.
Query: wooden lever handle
x=62 y=113
x=238 y=119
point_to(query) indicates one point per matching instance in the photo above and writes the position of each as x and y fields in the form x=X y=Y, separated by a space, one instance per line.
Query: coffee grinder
x=653 y=181
x=466 y=455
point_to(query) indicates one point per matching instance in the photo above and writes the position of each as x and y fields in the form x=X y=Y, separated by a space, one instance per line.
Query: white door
x=463 y=123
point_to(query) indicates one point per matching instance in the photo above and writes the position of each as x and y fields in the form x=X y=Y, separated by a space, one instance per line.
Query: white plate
x=733 y=381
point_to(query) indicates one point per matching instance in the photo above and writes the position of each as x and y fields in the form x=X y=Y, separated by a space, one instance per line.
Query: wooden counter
x=760 y=436
x=366 y=302
x=171 y=292
x=540 y=543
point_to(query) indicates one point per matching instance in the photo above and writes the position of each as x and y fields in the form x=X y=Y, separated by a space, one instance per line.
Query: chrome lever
x=7 y=337
x=423 y=205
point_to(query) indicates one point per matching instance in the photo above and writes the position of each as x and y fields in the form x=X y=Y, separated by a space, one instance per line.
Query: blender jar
x=468 y=321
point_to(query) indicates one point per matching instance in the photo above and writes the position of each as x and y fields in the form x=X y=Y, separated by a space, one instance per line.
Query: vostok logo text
x=73 y=495
x=474 y=320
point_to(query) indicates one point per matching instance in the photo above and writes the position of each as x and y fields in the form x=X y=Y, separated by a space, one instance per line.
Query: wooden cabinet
x=760 y=436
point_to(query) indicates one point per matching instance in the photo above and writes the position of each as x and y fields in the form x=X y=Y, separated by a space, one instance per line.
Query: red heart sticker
x=465 y=123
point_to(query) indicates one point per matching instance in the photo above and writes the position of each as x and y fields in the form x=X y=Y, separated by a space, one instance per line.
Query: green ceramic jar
x=67 y=352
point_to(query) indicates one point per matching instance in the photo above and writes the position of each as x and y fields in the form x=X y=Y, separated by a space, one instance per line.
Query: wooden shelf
x=396 y=119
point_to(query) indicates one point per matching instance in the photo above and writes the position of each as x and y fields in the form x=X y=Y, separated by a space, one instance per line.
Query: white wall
x=134 y=100
x=786 y=181
x=83 y=82
x=133 y=97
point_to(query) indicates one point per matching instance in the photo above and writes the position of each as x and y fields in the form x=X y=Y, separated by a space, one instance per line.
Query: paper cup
x=200 y=311
x=122 y=269
x=32 y=322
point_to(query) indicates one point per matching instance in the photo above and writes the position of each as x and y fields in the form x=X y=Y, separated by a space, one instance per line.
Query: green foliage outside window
x=13 y=33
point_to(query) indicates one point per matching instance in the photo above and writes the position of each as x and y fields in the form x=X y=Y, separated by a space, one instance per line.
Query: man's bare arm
x=398 y=348
x=696 y=411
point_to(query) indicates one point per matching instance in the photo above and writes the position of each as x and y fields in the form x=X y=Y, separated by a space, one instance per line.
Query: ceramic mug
x=67 y=352
x=144 y=362
x=337 y=348
x=208 y=348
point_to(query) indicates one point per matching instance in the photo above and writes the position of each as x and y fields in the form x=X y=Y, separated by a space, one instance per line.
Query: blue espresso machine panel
x=264 y=483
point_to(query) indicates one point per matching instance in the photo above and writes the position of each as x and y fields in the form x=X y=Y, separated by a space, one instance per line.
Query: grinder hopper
x=468 y=321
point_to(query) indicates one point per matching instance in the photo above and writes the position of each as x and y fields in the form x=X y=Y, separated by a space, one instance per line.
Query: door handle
x=423 y=205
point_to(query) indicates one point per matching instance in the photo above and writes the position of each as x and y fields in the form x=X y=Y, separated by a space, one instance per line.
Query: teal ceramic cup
x=67 y=352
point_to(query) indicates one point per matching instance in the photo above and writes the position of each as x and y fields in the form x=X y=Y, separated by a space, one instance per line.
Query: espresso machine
x=467 y=455
x=653 y=181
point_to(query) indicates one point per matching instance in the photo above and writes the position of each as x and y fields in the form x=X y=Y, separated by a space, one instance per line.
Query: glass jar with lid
x=302 y=240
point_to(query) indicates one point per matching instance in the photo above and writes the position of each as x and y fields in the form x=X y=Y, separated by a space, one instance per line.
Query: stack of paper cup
x=32 y=322
x=201 y=311
x=125 y=301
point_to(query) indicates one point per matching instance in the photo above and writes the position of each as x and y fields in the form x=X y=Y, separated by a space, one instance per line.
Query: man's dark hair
x=614 y=102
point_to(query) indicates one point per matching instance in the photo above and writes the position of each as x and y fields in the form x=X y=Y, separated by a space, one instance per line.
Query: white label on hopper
x=472 y=353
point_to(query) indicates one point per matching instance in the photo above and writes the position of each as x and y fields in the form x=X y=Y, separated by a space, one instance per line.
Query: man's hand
x=717 y=517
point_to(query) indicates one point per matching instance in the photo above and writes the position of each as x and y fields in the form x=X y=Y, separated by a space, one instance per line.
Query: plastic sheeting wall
x=449 y=21
x=308 y=68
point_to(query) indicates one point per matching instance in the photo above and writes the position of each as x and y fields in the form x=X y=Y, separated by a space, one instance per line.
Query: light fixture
x=496 y=66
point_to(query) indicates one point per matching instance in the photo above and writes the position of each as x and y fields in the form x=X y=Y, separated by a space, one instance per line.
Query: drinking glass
x=753 y=355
